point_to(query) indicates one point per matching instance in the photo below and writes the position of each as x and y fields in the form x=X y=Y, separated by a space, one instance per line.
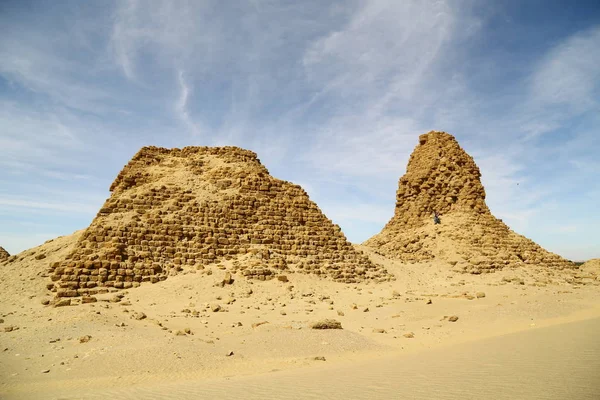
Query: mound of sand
x=3 y=254
x=442 y=177
x=192 y=207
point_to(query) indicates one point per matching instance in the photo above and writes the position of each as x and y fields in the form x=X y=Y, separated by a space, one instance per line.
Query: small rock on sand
x=63 y=303
x=88 y=299
x=453 y=318
x=327 y=324
x=379 y=330
x=228 y=280
x=409 y=335
x=139 y=316
x=480 y=295
x=85 y=339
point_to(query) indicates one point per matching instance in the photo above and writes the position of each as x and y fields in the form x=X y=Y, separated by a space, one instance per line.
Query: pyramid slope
x=172 y=209
x=3 y=254
x=442 y=177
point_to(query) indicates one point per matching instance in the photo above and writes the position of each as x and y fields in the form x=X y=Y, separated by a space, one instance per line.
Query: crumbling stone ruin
x=172 y=209
x=3 y=254
x=441 y=177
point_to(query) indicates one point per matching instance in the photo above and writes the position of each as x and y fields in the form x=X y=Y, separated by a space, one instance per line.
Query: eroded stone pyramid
x=3 y=254
x=592 y=265
x=442 y=177
x=172 y=209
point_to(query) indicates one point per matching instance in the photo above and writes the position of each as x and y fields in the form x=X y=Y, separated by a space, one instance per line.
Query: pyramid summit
x=3 y=254
x=177 y=209
x=442 y=178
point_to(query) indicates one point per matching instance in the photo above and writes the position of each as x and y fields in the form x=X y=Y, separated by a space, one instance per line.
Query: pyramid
x=441 y=177
x=172 y=209
x=592 y=265
x=3 y=254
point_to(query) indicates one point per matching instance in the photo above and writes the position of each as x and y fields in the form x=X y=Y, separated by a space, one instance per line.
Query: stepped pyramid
x=442 y=177
x=3 y=254
x=172 y=209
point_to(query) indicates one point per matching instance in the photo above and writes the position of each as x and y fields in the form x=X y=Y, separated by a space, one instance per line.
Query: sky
x=332 y=95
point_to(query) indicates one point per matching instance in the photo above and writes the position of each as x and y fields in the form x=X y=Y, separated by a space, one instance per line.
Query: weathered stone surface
x=177 y=209
x=3 y=254
x=442 y=177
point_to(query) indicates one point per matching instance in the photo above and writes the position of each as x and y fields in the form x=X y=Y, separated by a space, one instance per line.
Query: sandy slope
x=127 y=352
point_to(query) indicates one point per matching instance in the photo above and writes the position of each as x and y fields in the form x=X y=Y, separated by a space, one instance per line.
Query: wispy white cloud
x=569 y=73
x=35 y=141
x=19 y=203
x=382 y=71
x=31 y=60
x=565 y=83
x=182 y=104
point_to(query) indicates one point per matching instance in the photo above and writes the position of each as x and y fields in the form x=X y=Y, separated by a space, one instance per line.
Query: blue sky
x=332 y=95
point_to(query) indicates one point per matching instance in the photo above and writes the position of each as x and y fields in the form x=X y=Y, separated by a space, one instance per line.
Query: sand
x=520 y=333
x=534 y=364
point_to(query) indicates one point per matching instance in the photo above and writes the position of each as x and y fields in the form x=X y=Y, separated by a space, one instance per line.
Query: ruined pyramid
x=441 y=177
x=592 y=265
x=3 y=254
x=172 y=209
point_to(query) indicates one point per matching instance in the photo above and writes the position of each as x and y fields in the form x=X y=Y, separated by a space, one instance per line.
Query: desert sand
x=425 y=310
x=96 y=349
